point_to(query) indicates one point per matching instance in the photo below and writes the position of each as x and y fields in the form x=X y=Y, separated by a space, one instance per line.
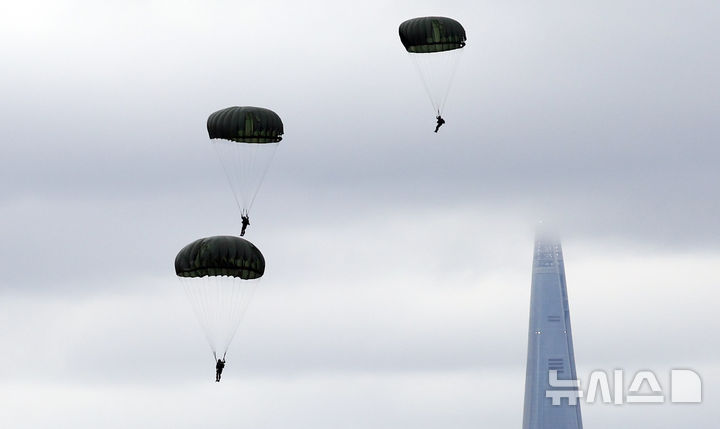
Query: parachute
x=435 y=44
x=219 y=275
x=245 y=139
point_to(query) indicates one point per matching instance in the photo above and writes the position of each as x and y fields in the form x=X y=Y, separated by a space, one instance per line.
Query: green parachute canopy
x=432 y=34
x=221 y=255
x=245 y=124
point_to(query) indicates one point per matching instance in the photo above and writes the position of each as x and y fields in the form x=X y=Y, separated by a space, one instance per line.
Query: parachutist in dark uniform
x=440 y=122
x=245 y=223
x=218 y=369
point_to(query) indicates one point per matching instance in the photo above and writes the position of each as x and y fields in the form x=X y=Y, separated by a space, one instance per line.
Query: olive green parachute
x=220 y=256
x=245 y=124
x=434 y=45
x=245 y=139
x=432 y=34
x=219 y=275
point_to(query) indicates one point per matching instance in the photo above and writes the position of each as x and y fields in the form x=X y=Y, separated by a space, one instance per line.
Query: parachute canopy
x=234 y=132
x=219 y=275
x=220 y=256
x=245 y=124
x=432 y=34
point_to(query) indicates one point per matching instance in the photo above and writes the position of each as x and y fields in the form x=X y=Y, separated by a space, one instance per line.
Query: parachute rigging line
x=447 y=60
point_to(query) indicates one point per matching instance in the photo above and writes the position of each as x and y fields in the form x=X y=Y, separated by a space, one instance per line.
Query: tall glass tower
x=550 y=346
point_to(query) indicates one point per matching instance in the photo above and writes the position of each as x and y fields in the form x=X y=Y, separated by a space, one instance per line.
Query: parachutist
x=425 y=38
x=245 y=223
x=440 y=122
x=219 y=369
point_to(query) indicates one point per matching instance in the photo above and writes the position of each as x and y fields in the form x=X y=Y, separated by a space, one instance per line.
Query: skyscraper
x=550 y=346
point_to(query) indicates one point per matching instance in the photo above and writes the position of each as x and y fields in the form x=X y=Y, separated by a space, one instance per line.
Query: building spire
x=550 y=346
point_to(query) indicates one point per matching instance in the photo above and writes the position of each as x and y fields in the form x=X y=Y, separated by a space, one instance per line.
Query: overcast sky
x=398 y=260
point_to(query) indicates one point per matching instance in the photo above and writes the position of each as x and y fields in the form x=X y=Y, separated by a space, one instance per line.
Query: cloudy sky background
x=399 y=260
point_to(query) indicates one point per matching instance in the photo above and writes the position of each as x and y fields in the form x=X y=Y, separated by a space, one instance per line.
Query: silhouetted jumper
x=245 y=223
x=440 y=122
x=218 y=369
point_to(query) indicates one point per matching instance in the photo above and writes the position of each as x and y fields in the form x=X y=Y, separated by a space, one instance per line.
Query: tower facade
x=550 y=346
